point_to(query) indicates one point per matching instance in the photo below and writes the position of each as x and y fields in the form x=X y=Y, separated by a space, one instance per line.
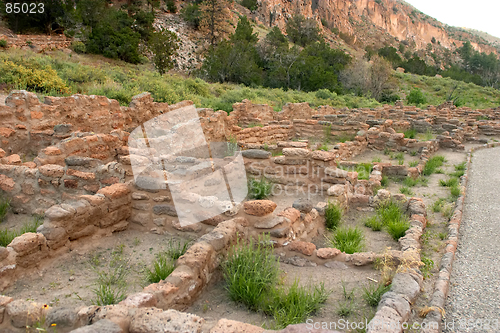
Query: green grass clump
x=7 y=236
x=410 y=182
x=323 y=147
x=451 y=182
x=411 y=133
x=4 y=207
x=397 y=229
x=163 y=266
x=333 y=215
x=455 y=192
x=259 y=189
x=373 y=293
x=374 y=223
x=111 y=281
x=385 y=181
x=405 y=190
x=432 y=164
x=295 y=305
x=393 y=218
x=364 y=170
x=250 y=271
x=437 y=206
x=348 y=240
x=177 y=249
x=459 y=170
x=428 y=265
x=413 y=164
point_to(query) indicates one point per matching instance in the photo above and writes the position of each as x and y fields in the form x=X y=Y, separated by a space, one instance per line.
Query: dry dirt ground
x=69 y=279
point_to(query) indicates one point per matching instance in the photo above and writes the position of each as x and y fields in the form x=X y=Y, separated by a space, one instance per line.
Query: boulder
x=259 y=207
x=303 y=205
x=303 y=247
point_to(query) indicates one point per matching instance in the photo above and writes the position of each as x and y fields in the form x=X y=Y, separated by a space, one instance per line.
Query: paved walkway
x=475 y=281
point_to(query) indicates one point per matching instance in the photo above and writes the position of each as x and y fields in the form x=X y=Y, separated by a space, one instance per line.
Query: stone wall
x=103 y=213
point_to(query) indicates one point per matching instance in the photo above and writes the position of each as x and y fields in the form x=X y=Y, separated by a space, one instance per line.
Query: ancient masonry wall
x=103 y=213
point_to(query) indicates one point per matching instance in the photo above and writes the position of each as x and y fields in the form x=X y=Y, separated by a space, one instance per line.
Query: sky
x=476 y=14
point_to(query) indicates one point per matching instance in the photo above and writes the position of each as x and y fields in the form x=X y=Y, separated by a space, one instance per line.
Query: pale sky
x=475 y=14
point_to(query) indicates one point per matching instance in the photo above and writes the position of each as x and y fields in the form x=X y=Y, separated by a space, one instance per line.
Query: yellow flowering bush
x=32 y=78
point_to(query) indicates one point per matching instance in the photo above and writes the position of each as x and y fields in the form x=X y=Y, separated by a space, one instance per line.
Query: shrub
x=333 y=215
x=163 y=44
x=3 y=43
x=250 y=4
x=437 y=206
x=250 y=271
x=390 y=211
x=4 y=207
x=78 y=47
x=348 y=240
x=32 y=76
x=259 y=189
x=191 y=14
x=163 y=266
x=374 y=292
x=432 y=164
x=295 y=305
x=171 y=7
x=416 y=97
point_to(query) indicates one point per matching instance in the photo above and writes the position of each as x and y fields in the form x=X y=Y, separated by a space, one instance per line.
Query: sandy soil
x=68 y=280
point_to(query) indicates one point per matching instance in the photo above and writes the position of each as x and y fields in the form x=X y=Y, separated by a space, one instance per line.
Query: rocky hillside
x=370 y=22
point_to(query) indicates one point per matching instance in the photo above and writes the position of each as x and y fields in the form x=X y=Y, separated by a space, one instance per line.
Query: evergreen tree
x=214 y=20
x=164 y=45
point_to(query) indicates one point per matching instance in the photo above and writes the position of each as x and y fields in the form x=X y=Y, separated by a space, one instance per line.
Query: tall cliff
x=371 y=22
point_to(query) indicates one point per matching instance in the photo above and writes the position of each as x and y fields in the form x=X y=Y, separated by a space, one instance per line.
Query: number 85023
x=25 y=8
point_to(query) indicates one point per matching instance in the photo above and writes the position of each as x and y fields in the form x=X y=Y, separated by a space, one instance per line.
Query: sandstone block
x=259 y=207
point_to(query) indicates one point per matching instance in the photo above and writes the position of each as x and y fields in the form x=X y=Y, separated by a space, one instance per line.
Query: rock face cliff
x=370 y=22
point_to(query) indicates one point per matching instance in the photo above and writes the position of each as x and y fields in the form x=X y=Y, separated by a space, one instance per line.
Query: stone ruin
x=70 y=159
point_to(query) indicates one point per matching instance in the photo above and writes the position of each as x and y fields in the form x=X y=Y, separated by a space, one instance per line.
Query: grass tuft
x=333 y=215
x=251 y=270
x=373 y=293
x=374 y=223
x=163 y=266
x=348 y=240
x=259 y=189
x=432 y=164
x=4 y=207
x=7 y=236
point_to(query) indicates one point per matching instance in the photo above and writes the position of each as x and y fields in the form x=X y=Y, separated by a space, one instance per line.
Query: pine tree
x=214 y=20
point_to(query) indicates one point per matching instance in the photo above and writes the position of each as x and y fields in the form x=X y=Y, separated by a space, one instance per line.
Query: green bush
x=3 y=43
x=455 y=192
x=385 y=181
x=191 y=14
x=171 y=7
x=251 y=271
x=348 y=240
x=393 y=218
x=250 y=4
x=416 y=97
x=32 y=76
x=333 y=215
x=259 y=189
x=405 y=190
x=451 y=182
x=78 y=47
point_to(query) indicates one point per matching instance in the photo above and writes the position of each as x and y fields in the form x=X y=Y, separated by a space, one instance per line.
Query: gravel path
x=475 y=281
